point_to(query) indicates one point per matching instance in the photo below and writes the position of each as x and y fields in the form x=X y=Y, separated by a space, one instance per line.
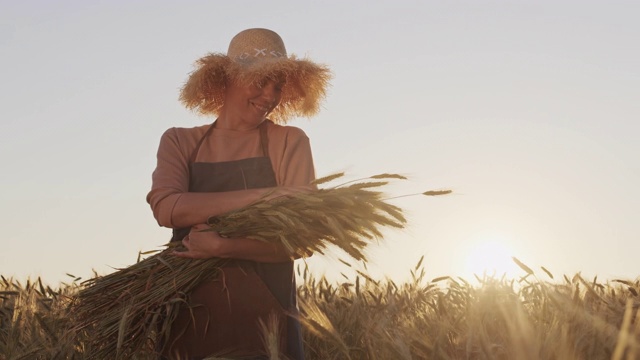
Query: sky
x=527 y=110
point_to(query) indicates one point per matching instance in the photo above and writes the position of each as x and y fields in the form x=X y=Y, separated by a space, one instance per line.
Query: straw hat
x=253 y=55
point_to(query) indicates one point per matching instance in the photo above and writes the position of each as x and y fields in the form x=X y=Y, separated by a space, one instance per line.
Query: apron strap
x=194 y=154
x=264 y=139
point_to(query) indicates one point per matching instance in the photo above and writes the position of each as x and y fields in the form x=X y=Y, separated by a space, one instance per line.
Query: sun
x=490 y=256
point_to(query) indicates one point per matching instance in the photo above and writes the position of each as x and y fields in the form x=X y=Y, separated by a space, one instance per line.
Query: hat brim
x=304 y=90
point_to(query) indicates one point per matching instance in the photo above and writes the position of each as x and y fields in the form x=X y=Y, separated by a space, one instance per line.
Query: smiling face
x=247 y=106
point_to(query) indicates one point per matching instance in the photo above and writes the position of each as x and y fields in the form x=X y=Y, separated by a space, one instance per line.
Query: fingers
x=181 y=254
x=186 y=242
x=200 y=227
x=193 y=248
x=201 y=243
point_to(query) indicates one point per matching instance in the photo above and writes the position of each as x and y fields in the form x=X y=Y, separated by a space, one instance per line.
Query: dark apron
x=223 y=315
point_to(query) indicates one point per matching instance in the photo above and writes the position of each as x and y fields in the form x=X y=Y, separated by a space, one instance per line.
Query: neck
x=227 y=120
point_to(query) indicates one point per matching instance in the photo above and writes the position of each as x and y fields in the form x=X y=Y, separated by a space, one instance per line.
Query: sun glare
x=490 y=257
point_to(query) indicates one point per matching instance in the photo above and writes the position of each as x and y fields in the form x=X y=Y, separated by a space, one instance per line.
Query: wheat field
x=532 y=317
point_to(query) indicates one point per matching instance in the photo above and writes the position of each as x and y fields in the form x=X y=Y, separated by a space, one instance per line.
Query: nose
x=270 y=91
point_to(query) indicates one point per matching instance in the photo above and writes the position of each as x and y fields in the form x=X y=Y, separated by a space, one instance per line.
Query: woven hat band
x=256 y=44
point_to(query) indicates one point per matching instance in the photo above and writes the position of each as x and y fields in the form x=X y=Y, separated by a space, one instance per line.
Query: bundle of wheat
x=125 y=312
x=348 y=216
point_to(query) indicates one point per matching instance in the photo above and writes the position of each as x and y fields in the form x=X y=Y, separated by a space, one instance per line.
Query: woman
x=209 y=170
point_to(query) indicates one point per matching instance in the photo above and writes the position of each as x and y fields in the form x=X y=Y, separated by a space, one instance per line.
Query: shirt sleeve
x=296 y=167
x=170 y=179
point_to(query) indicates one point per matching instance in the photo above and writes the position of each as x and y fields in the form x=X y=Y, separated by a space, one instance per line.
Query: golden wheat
x=129 y=311
x=360 y=318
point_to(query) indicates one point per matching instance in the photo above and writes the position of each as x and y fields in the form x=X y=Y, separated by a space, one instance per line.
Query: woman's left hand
x=201 y=244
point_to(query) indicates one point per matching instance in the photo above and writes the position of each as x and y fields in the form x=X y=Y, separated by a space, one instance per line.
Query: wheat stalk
x=129 y=311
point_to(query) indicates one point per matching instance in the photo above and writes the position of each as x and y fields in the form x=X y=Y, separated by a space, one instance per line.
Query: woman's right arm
x=173 y=205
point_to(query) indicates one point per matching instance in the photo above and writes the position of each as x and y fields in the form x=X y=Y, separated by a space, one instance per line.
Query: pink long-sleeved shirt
x=289 y=150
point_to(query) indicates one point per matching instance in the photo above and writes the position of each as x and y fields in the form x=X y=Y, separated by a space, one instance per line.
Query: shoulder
x=290 y=133
x=178 y=140
x=183 y=137
x=182 y=133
